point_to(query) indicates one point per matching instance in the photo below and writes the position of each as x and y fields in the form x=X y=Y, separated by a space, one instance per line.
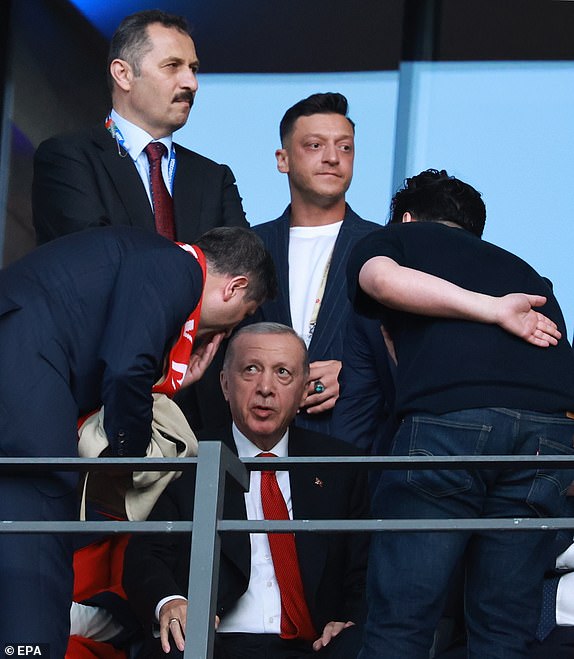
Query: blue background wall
x=505 y=127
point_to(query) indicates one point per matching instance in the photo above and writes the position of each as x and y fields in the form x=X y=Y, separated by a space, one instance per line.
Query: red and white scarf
x=180 y=353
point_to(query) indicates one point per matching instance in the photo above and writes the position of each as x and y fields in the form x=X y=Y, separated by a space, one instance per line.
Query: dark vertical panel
x=422 y=21
x=421 y=30
x=5 y=103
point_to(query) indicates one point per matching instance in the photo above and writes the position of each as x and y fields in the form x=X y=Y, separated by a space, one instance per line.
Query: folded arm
x=405 y=289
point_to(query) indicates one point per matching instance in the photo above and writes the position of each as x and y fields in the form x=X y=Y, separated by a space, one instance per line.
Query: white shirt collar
x=247 y=449
x=136 y=138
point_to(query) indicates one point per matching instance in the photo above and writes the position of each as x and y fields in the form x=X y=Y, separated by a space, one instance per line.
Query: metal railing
x=215 y=463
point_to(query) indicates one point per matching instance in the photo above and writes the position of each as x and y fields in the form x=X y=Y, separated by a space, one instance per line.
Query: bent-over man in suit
x=311 y=242
x=92 y=319
x=264 y=378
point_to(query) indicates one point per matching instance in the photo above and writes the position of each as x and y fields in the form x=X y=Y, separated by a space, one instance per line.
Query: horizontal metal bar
x=266 y=464
x=419 y=462
x=301 y=525
x=39 y=464
x=103 y=528
x=363 y=525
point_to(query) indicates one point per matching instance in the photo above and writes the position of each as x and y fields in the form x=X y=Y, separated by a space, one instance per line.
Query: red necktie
x=162 y=201
x=295 y=617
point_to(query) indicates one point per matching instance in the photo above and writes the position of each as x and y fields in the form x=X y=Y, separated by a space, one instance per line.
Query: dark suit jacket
x=363 y=414
x=84 y=321
x=327 y=341
x=332 y=566
x=81 y=181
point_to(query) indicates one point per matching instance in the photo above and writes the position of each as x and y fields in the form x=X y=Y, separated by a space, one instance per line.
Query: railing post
x=215 y=462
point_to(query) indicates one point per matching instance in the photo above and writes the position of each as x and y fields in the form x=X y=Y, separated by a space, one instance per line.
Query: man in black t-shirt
x=479 y=372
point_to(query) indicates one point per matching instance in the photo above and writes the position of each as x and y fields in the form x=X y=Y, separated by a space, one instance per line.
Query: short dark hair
x=236 y=251
x=130 y=42
x=434 y=196
x=327 y=103
x=266 y=328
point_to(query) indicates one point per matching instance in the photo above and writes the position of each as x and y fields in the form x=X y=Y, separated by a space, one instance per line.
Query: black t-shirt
x=446 y=365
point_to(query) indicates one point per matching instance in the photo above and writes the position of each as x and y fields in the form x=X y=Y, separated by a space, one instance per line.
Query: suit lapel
x=309 y=502
x=126 y=180
x=280 y=309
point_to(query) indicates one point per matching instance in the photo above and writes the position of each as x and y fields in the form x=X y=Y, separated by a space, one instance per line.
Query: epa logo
x=26 y=651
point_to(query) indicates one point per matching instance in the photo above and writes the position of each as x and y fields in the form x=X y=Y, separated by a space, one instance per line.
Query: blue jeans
x=409 y=572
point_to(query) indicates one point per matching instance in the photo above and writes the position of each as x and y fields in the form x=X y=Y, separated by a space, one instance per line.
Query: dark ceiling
x=340 y=35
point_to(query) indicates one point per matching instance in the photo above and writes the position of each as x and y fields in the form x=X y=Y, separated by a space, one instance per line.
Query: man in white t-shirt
x=311 y=241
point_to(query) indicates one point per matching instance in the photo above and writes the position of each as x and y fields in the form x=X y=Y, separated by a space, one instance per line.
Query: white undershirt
x=93 y=622
x=136 y=139
x=258 y=610
x=309 y=252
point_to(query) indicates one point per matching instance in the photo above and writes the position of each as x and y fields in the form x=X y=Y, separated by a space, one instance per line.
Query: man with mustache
x=265 y=377
x=104 y=176
x=101 y=176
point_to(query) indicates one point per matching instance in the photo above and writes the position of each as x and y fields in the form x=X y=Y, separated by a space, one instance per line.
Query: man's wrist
x=165 y=600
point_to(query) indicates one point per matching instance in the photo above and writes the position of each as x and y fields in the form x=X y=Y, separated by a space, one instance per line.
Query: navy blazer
x=364 y=413
x=327 y=341
x=85 y=179
x=86 y=320
x=333 y=566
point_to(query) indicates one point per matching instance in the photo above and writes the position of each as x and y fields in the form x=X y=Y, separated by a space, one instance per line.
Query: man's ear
x=224 y=384
x=122 y=74
x=282 y=160
x=234 y=286
x=407 y=217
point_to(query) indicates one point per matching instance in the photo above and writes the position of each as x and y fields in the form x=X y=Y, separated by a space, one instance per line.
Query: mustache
x=185 y=96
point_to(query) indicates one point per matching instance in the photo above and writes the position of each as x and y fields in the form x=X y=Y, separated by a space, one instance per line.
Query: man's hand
x=515 y=313
x=201 y=358
x=331 y=630
x=327 y=373
x=172 y=617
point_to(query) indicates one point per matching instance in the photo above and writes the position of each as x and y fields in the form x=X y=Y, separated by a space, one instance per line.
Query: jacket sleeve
x=151 y=560
x=363 y=413
x=233 y=214
x=152 y=299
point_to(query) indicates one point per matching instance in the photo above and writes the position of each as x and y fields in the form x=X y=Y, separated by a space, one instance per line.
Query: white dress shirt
x=258 y=610
x=135 y=140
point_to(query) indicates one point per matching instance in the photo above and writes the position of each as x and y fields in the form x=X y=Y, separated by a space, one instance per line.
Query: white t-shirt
x=310 y=249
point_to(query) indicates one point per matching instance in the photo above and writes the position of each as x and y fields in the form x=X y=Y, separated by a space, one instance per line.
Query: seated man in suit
x=264 y=379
